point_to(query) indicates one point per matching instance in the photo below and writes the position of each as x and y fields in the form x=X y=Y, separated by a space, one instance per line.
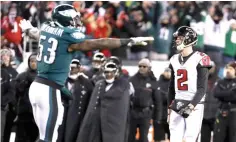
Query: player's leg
x=37 y=93
x=177 y=127
x=47 y=109
x=33 y=92
x=53 y=110
x=194 y=123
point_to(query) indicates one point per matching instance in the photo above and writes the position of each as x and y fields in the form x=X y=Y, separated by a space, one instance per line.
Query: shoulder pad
x=205 y=60
x=77 y=35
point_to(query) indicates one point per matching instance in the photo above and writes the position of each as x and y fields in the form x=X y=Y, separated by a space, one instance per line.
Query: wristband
x=124 y=42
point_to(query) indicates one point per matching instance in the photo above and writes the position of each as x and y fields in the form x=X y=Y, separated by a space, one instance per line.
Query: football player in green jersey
x=58 y=40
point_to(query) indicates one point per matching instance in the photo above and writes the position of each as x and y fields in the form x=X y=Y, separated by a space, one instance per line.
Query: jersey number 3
x=181 y=81
x=51 y=50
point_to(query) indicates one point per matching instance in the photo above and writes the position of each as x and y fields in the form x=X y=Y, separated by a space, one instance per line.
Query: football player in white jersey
x=187 y=87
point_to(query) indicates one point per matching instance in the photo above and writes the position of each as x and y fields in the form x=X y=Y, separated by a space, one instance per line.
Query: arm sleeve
x=202 y=79
x=75 y=37
x=171 y=90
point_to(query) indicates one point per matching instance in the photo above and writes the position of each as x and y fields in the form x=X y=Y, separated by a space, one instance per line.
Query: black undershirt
x=202 y=78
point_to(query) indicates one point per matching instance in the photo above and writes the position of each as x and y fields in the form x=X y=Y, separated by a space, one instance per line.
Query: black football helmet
x=66 y=15
x=189 y=37
x=75 y=63
x=98 y=60
x=115 y=60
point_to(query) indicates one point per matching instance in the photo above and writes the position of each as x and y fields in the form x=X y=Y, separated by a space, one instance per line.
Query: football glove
x=26 y=26
x=140 y=41
x=185 y=111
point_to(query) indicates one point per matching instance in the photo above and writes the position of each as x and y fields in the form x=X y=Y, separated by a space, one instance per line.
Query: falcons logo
x=206 y=61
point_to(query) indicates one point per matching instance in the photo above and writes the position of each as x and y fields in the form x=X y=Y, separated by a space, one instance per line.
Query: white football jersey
x=186 y=74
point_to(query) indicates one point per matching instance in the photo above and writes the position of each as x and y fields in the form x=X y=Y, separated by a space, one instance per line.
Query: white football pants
x=186 y=129
x=47 y=109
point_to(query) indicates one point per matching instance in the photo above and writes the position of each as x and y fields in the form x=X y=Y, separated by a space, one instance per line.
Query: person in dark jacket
x=6 y=97
x=161 y=127
x=81 y=90
x=144 y=101
x=95 y=72
x=210 y=107
x=8 y=100
x=106 y=116
x=137 y=26
x=122 y=73
x=26 y=130
x=225 y=92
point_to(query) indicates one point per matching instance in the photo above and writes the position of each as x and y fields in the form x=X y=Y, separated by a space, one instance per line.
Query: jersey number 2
x=184 y=77
x=51 y=50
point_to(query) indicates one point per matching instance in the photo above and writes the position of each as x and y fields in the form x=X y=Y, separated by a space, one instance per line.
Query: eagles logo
x=78 y=35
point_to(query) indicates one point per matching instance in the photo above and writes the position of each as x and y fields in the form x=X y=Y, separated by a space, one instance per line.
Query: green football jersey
x=53 y=57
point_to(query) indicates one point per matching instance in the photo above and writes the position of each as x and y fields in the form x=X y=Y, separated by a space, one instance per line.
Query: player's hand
x=185 y=112
x=25 y=26
x=140 y=41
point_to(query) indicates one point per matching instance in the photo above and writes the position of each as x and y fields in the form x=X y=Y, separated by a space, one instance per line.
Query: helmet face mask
x=75 y=66
x=110 y=72
x=98 y=60
x=77 y=21
x=184 y=37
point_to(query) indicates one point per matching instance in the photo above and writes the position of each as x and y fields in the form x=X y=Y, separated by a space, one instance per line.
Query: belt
x=48 y=82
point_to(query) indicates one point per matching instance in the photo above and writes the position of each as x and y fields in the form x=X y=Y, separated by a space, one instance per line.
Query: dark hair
x=218 y=12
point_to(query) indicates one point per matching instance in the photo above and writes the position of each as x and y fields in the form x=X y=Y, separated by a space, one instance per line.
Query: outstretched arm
x=90 y=44
x=109 y=43
x=99 y=44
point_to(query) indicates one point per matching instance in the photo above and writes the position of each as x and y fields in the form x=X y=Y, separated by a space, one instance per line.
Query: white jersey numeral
x=51 y=50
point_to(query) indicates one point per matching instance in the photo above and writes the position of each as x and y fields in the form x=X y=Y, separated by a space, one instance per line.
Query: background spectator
x=124 y=19
x=229 y=53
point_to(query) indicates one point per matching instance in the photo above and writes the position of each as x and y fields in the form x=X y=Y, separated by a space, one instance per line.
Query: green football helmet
x=66 y=15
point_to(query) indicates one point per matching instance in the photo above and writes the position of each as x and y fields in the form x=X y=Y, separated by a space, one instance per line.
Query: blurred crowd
x=213 y=21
